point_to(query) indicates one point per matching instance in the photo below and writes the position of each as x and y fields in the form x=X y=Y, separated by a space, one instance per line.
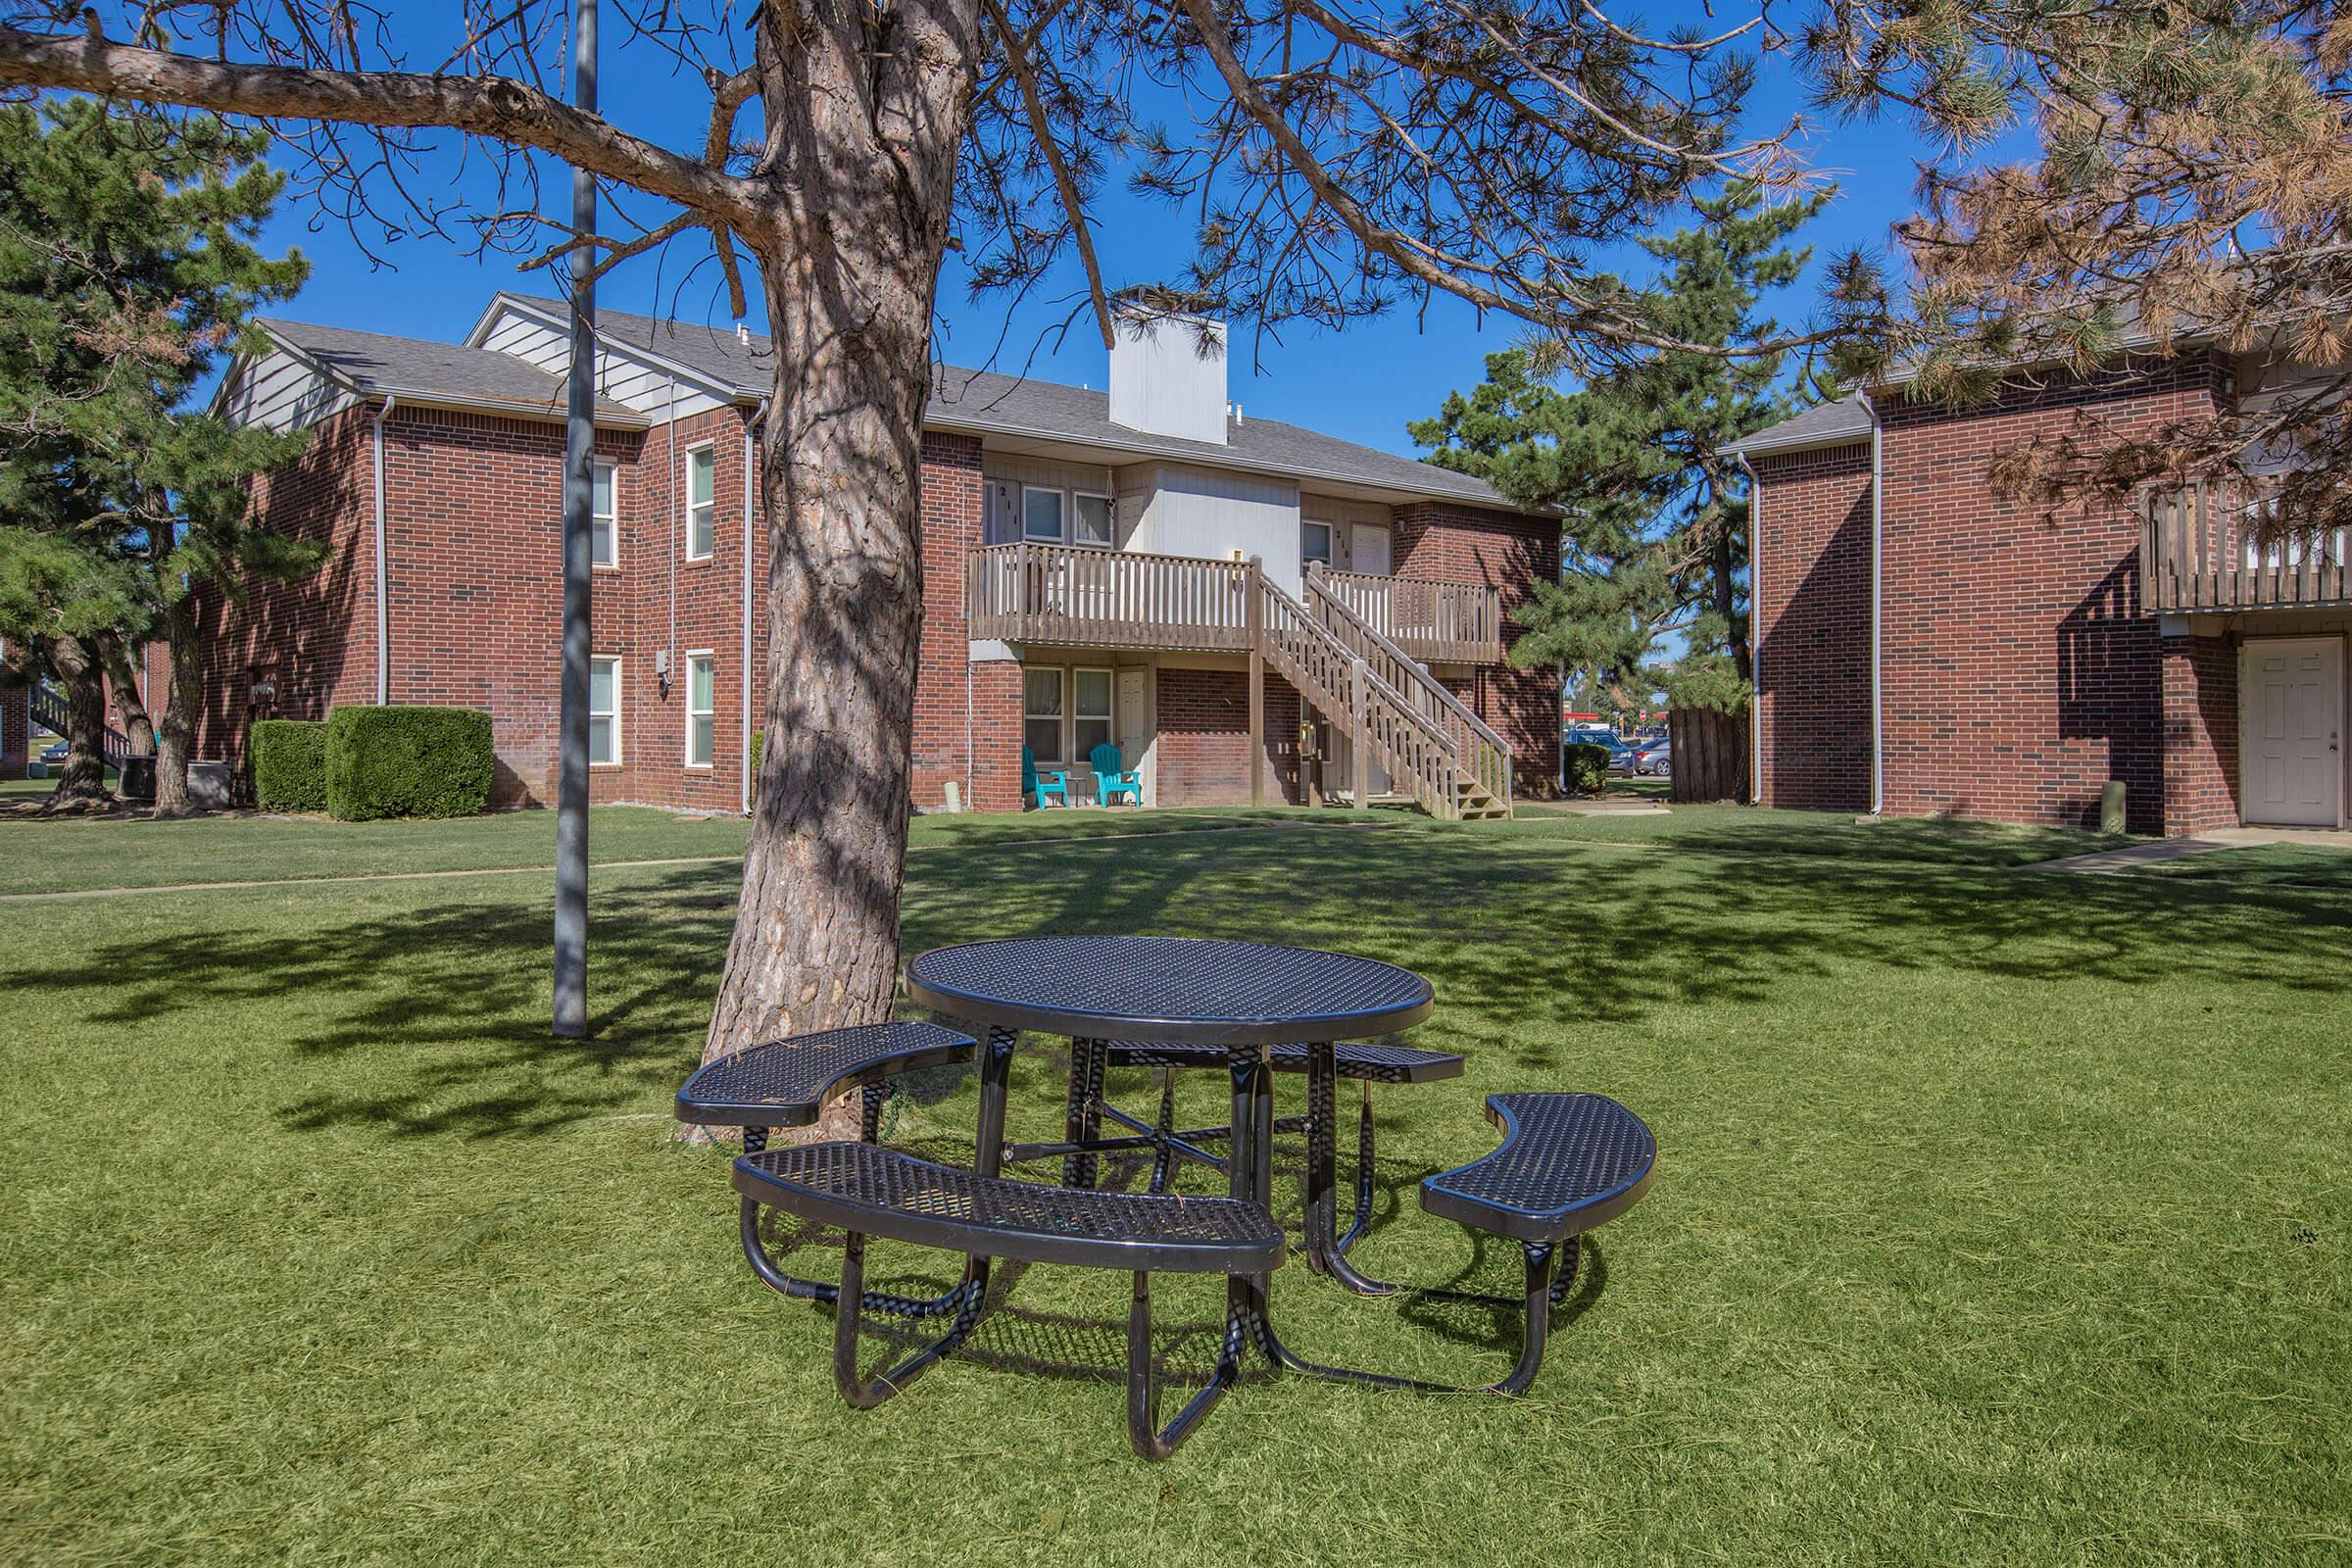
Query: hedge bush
x=408 y=762
x=1588 y=767
x=289 y=764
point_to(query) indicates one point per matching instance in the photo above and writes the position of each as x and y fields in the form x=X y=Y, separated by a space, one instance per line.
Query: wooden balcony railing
x=2222 y=546
x=1446 y=622
x=1046 y=593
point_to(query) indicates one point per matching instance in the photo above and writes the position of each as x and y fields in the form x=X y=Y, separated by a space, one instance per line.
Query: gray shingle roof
x=414 y=367
x=989 y=401
x=1832 y=425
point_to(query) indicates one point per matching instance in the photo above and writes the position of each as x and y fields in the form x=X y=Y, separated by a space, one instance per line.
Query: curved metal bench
x=870 y=1191
x=1567 y=1164
x=787 y=1083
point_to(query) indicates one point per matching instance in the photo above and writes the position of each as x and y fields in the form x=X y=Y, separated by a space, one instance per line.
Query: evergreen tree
x=1653 y=513
x=128 y=269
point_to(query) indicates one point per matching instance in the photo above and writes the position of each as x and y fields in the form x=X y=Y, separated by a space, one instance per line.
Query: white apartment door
x=1368 y=551
x=2291 y=734
x=1003 y=512
x=1135 y=726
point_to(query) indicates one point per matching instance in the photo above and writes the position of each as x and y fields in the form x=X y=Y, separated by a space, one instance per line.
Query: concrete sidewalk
x=2154 y=852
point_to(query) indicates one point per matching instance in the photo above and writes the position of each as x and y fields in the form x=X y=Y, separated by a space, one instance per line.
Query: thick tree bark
x=78 y=670
x=176 y=737
x=131 y=710
x=865 y=111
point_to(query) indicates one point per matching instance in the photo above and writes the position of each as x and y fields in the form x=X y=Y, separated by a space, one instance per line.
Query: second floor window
x=604 y=518
x=1314 y=542
x=702 y=503
x=1040 y=516
x=702 y=708
x=1094 y=518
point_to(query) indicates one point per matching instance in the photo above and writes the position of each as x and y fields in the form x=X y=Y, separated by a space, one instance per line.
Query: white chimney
x=1167 y=376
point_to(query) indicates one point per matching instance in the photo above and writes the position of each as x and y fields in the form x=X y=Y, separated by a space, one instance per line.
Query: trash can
x=137 y=780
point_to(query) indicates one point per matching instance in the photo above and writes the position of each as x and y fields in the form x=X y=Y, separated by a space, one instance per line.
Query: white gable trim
x=652 y=385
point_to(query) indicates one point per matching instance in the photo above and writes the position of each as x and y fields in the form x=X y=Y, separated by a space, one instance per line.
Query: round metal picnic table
x=1247 y=995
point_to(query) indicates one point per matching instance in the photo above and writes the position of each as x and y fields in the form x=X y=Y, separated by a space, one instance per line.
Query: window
x=702 y=503
x=1092 y=518
x=1041 y=713
x=604 y=518
x=702 y=708
x=1314 y=542
x=1090 y=712
x=1041 y=515
x=604 y=712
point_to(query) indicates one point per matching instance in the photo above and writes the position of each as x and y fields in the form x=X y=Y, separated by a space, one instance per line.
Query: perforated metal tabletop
x=1176 y=989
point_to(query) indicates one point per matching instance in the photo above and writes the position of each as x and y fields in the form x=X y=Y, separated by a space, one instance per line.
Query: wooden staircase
x=1392 y=708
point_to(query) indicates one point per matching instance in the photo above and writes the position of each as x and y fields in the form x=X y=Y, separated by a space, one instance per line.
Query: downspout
x=384 y=576
x=671 y=446
x=1755 y=642
x=751 y=476
x=1877 y=690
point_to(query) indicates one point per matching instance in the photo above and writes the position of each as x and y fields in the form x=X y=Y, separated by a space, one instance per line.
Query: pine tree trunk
x=865 y=109
x=78 y=670
x=1726 y=597
x=176 y=736
x=131 y=709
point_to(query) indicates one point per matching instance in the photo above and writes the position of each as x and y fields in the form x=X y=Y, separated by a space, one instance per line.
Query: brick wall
x=1203 y=744
x=947 y=732
x=1812 y=627
x=1508 y=550
x=653 y=587
x=309 y=643
x=2200 y=735
x=2019 y=673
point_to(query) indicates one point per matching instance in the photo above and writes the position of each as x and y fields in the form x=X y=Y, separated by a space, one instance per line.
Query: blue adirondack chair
x=1053 y=783
x=1111 y=778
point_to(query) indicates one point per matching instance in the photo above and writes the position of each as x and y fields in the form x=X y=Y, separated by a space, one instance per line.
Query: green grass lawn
x=2000 y=1218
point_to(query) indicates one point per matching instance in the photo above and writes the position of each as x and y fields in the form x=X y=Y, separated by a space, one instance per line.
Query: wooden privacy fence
x=1710 y=754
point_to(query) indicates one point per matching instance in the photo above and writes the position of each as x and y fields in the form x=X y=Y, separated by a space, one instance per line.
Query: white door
x=1369 y=550
x=1135 y=728
x=2292 y=731
x=1004 y=516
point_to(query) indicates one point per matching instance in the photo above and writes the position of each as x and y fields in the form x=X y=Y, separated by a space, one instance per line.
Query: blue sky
x=1364 y=383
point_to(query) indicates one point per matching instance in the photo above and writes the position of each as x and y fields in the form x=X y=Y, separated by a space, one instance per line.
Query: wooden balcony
x=1047 y=593
x=2219 y=547
x=1437 y=622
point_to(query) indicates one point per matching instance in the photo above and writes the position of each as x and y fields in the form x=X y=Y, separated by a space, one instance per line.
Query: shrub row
x=365 y=763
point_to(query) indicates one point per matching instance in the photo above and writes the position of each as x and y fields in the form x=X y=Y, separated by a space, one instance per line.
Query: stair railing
x=1411 y=743
x=1484 y=755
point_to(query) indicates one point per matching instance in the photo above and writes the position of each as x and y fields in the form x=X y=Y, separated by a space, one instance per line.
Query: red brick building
x=1143 y=566
x=1925 y=647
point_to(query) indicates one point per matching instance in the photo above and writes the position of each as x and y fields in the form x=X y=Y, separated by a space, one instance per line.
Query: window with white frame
x=1041 y=713
x=1314 y=542
x=702 y=503
x=1090 y=712
x=603 y=516
x=1041 y=515
x=604 y=711
x=702 y=708
x=1092 y=521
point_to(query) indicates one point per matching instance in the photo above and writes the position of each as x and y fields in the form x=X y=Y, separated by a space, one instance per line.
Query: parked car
x=55 y=755
x=1621 y=754
x=1654 y=757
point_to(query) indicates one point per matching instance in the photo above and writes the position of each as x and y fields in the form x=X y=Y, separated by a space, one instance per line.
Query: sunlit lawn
x=2000 y=1219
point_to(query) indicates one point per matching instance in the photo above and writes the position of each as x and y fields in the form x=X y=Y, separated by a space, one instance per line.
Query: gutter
x=1755 y=642
x=1877 y=684
x=384 y=574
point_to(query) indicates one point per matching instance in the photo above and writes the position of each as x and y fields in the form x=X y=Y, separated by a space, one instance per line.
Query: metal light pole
x=580 y=477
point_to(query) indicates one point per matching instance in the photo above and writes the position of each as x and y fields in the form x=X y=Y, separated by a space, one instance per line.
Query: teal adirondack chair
x=1111 y=778
x=1038 y=786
